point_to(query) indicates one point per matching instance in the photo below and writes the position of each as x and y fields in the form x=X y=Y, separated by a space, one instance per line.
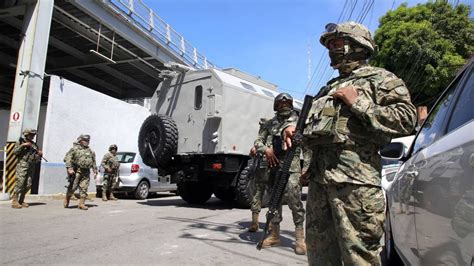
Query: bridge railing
x=146 y=19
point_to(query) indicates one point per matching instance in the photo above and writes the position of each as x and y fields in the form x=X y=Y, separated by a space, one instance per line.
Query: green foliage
x=425 y=45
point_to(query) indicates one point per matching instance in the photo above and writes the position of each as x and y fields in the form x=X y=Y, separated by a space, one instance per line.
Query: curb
x=59 y=196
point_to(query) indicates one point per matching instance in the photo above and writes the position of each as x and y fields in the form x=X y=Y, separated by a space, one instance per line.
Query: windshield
x=125 y=157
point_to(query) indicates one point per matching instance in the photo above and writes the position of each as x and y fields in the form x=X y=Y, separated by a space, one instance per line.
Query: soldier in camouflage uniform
x=111 y=166
x=261 y=180
x=79 y=160
x=270 y=144
x=351 y=119
x=28 y=155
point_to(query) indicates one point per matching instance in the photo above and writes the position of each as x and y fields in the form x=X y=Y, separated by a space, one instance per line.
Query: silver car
x=430 y=211
x=136 y=178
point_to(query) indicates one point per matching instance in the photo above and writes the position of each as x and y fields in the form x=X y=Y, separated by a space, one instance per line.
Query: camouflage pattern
x=345 y=200
x=358 y=33
x=344 y=224
x=269 y=131
x=261 y=182
x=111 y=166
x=27 y=158
x=81 y=159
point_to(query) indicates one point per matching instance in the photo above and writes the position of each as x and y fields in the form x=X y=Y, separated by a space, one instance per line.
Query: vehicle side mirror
x=393 y=151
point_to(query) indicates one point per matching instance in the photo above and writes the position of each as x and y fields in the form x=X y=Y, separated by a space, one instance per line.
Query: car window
x=433 y=127
x=463 y=111
x=125 y=157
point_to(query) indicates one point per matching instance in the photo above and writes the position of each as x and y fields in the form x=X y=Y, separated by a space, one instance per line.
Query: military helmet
x=84 y=137
x=281 y=97
x=29 y=131
x=353 y=31
x=113 y=147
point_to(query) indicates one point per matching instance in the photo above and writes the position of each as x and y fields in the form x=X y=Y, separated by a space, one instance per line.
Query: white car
x=136 y=178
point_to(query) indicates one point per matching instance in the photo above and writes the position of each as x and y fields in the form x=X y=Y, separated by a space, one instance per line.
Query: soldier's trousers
x=260 y=182
x=293 y=199
x=109 y=182
x=81 y=181
x=24 y=175
x=344 y=224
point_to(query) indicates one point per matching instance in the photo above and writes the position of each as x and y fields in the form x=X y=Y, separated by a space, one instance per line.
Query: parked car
x=137 y=178
x=430 y=204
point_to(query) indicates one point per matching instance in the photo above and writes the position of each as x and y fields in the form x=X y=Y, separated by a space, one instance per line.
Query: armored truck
x=202 y=126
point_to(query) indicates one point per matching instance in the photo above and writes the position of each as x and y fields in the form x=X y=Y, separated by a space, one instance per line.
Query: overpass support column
x=29 y=74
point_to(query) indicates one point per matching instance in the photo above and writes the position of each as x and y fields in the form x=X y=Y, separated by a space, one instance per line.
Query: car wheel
x=194 y=192
x=98 y=191
x=390 y=255
x=142 y=191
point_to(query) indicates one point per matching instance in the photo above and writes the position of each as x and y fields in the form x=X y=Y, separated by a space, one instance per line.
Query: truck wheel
x=246 y=189
x=161 y=133
x=194 y=192
x=225 y=194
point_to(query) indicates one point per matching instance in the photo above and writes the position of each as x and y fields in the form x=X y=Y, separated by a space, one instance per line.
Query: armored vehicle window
x=248 y=87
x=268 y=93
x=198 y=97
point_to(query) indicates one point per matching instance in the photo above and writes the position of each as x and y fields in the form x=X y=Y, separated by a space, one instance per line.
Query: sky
x=277 y=40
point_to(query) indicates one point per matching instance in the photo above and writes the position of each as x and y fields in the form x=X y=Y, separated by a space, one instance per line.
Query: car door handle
x=413 y=173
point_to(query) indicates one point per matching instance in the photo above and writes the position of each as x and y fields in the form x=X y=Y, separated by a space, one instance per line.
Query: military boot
x=274 y=238
x=15 y=204
x=67 y=199
x=300 y=245
x=254 y=225
x=104 y=195
x=22 y=201
x=111 y=197
x=81 y=205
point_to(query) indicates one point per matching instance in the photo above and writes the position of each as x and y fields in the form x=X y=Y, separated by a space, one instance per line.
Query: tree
x=425 y=45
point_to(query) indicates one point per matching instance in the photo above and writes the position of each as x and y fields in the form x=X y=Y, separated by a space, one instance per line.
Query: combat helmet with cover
x=357 y=45
x=29 y=131
x=113 y=147
x=281 y=97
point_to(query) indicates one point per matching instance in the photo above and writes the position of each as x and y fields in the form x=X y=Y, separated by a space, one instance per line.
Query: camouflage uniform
x=81 y=159
x=261 y=173
x=111 y=166
x=269 y=136
x=345 y=205
x=27 y=158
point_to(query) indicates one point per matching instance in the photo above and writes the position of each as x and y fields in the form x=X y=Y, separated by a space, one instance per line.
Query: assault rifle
x=284 y=172
x=32 y=149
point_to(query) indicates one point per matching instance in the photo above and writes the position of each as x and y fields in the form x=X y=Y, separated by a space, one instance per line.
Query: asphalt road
x=163 y=230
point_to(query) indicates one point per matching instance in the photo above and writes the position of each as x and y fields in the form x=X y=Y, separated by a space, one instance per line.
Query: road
x=163 y=230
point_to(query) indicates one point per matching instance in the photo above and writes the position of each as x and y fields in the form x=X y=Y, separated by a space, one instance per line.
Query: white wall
x=73 y=110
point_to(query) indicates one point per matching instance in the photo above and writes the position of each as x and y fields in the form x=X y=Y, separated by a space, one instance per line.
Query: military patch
x=401 y=90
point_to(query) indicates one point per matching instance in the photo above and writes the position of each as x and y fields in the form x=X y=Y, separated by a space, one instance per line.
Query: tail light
x=217 y=166
x=135 y=168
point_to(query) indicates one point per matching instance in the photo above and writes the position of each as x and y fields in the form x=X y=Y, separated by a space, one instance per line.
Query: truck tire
x=226 y=194
x=194 y=192
x=245 y=190
x=162 y=134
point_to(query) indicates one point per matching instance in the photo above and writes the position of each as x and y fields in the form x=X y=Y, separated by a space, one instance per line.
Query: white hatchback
x=136 y=178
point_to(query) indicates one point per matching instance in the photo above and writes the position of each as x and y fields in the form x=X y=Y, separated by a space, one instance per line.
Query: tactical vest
x=84 y=158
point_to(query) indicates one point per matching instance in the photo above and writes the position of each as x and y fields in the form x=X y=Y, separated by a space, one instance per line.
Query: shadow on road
x=212 y=204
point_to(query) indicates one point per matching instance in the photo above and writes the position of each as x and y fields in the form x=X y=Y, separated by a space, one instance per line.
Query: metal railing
x=146 y=19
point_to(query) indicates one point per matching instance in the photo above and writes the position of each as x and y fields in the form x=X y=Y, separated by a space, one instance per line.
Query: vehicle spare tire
x=161 y=133
x=245 y=190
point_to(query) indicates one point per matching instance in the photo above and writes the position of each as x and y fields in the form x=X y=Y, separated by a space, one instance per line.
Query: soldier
x=269 y=143
x=261 y=176
x=28 y=155
x=111 y=166
x=79 y=160
x=351 y=119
